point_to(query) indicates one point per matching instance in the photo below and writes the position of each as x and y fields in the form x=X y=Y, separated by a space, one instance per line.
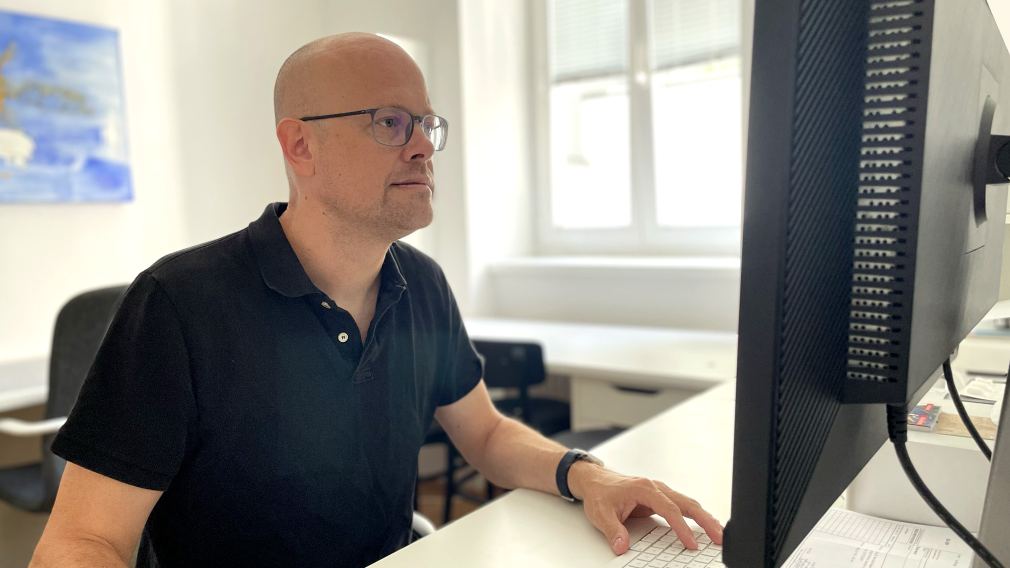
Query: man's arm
x=512 y=455
x=96 y=521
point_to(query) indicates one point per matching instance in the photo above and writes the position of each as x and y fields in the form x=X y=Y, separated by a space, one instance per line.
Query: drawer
x=983 y=354
x=600 y=404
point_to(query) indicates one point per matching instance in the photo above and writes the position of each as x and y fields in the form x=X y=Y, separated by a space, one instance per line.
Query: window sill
x=679 y=292
x=612 y=263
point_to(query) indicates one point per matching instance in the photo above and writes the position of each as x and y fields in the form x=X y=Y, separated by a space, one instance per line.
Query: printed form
x=844 y=539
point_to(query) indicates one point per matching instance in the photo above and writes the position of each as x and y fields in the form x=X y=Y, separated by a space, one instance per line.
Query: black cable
x=952 y=389
x=897 y=431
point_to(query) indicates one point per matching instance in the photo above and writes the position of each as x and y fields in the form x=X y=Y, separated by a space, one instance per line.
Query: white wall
x=50 y=252
x=227 y=54
x=198 y=79
x=496 y=85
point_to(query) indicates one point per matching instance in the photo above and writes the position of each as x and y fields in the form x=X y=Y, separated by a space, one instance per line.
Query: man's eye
x=388 y=122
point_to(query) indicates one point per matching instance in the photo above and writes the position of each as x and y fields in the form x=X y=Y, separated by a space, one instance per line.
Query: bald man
x=260 y=400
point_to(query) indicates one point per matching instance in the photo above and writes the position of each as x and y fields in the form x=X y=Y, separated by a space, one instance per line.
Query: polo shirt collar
x=283 y=272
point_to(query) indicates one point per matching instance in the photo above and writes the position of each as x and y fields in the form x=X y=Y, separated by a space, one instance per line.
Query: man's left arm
x=513 y=455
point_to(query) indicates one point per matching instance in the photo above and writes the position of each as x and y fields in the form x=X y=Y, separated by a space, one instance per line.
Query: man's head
x=336 y=165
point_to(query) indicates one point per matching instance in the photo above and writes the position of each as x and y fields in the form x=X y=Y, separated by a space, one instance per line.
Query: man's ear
x=297 y=139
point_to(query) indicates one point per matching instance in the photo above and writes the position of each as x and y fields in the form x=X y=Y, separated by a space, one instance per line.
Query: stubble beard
x=401 y=215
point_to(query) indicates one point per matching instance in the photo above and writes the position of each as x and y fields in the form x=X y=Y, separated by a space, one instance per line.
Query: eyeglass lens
x=393 y=127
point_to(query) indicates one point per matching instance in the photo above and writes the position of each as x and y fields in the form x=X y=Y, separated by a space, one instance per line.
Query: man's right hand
x=96 y=521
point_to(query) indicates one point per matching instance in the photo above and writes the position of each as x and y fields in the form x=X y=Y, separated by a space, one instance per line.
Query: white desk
x=530 y=529
x=622 y=374
x=641 y=356
x=23 y=383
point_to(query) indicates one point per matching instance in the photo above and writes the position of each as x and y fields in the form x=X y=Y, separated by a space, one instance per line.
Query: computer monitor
x=872 y=239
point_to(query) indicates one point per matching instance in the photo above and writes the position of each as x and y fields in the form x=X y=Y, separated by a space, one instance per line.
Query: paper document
x=844 y=539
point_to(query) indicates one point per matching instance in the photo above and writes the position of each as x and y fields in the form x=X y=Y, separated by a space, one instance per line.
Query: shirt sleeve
x=464 y=369
x=136 y=410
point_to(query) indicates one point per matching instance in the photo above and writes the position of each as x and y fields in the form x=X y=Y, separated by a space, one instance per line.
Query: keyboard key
x=636 y=563
x=639 y=546
x=715 y=546
x=647 y=557
x=703 y=539
x=689 y=552
x=666 y=557
x=676 y=564
x=657 y=564
x=697 y=565
x=717 y=565
x=709 y=552
x=650 y=538
x=654 y=550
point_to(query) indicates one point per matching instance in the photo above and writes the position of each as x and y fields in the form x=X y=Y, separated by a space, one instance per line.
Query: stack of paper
x=844 y=539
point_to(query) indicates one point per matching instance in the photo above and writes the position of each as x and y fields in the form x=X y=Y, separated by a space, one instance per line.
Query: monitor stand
x=996 y=512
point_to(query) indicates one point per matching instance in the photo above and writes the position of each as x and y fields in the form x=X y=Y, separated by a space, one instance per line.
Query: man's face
x=382 y=190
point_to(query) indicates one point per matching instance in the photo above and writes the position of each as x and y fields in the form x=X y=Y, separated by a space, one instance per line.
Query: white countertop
x=640 y=356
x=689 y=447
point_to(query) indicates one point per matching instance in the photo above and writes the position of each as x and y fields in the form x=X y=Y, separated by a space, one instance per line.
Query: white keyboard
x=662 y=549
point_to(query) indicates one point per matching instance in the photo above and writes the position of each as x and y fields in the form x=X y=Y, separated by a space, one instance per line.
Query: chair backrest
x=511 y=364
x=80 y=327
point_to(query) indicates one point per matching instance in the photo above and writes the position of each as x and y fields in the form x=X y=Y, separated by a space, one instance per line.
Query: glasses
x=393 y=126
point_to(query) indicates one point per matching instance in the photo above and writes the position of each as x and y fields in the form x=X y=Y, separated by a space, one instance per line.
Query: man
x=261 y=399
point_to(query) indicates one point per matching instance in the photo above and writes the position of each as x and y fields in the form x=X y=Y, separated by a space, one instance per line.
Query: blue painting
x=62 y=119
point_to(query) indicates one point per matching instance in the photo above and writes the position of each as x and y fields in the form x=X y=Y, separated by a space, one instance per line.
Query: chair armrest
x=421 y=525
x=18 y=427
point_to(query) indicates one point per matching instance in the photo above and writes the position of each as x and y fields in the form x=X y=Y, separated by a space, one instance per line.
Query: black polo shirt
x=230 y=382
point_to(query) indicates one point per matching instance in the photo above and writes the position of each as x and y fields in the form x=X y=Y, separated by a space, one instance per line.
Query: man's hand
x=610 y=498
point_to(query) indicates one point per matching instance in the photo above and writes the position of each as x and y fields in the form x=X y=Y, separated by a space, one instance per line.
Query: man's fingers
x=708 y=523
x=692 y=509
x=666 y=508
x=615 y=531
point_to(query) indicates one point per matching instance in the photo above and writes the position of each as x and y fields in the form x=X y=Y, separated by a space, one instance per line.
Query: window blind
x=589 y=38
x=693 y=31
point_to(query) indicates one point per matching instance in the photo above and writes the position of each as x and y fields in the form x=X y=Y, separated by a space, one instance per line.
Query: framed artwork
x=62 y=114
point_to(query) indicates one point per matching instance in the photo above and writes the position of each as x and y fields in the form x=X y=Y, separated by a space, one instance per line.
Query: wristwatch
x=561 y=476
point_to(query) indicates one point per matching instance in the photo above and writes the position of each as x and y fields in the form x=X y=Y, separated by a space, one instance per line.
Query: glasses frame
x=418 y=118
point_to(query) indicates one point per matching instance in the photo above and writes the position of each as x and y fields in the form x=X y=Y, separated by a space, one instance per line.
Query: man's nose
x=418 y=147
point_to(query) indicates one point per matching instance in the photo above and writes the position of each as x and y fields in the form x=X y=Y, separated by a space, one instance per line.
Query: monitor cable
x=897 y=431
x=948 y=375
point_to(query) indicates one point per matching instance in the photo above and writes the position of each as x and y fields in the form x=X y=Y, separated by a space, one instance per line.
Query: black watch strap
x=561 y=476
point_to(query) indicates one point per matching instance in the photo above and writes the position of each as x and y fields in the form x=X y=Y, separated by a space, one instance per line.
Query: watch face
x=584 y=455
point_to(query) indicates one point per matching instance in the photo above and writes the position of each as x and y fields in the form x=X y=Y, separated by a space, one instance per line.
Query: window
x=639 y=111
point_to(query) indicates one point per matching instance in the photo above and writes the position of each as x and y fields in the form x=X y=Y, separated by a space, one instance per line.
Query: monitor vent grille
x=881 y=264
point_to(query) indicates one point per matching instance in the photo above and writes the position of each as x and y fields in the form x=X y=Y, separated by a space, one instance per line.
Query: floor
x=431 y=495
x=19 y=531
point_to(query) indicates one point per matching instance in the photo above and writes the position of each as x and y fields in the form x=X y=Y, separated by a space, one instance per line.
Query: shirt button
x=343 y=337
x=325 y=305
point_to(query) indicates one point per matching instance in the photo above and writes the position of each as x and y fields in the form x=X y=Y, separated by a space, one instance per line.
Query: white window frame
x=645 y=236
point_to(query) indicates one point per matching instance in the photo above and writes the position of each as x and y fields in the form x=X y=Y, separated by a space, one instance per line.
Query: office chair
x=420 y=526
x=507 y=365
x=80 y=327
x=585 y=439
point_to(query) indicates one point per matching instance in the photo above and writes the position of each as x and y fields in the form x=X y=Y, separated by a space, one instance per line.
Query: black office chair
x=515 y=366
x=80 y=327
x=585 y=439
